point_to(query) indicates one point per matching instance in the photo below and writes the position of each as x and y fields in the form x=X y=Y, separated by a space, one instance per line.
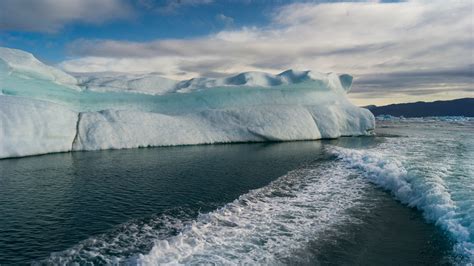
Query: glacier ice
x=31 y=127
x=43 y=109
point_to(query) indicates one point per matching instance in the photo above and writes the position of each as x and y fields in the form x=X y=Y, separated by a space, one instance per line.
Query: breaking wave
x=421 y=186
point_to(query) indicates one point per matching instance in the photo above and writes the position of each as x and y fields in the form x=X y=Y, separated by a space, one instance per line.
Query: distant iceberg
x=44 y=110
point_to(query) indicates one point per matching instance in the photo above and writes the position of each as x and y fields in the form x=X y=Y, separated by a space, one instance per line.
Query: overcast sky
x=397 y=52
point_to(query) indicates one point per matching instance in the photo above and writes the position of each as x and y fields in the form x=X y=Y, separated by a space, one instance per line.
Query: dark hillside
x=458 y=107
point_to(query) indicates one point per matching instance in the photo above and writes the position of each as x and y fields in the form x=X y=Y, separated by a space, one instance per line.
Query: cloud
x=226 y=20
x=170 y=6
x=52 y=15
x=461 y=78
x=372 y=41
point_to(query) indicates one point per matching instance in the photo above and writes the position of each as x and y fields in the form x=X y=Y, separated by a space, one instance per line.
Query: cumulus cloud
x=52 y=15
x=377 y=42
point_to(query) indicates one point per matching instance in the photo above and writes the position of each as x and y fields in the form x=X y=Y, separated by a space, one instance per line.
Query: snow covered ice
x=43 y=109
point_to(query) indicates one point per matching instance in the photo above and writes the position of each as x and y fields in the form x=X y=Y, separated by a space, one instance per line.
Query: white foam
x=264 y=226
x=124 y=241
x=420 y=187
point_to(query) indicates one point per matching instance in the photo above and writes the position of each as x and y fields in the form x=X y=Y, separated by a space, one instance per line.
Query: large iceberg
x=43 y=109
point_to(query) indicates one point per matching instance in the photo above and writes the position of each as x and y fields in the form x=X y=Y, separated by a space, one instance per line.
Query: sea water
x=403 y=196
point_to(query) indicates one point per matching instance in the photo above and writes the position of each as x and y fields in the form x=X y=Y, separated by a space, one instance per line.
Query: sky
x=396 y=51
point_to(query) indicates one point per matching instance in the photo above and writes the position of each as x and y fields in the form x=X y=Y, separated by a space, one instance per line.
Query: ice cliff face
x=43 y=109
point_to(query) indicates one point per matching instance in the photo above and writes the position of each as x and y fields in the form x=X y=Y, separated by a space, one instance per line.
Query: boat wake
x=419 y=185
x=271 y=224
x=266 y=225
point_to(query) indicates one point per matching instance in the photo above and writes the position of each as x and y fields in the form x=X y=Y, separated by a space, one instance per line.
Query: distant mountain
x=458 y=107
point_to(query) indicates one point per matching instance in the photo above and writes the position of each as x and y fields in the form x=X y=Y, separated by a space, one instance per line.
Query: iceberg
x=44 y=110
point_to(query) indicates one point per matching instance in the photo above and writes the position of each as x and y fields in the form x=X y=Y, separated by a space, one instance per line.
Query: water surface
x=299 y=202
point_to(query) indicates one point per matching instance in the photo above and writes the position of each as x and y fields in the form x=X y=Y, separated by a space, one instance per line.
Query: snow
x=154 y=84
x=149 y=83
x=43 y=109
x=24 y=65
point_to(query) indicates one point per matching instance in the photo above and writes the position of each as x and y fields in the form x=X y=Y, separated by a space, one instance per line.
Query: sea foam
x=424 y=189
x=265 y=226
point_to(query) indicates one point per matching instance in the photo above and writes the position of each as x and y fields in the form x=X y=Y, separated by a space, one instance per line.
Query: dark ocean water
x=319 y=202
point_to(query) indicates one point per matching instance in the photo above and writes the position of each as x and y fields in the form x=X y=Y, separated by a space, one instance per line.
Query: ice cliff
x=43 y=109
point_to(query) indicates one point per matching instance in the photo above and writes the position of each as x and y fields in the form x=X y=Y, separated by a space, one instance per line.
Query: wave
x=125 y=241
x=265 y=226
x=419 y=187
x=271 y=224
